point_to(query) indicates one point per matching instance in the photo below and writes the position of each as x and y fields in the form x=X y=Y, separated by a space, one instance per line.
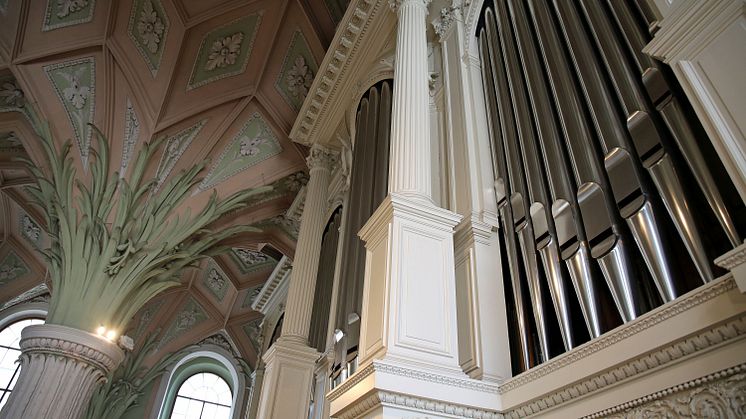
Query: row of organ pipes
x=594 y=153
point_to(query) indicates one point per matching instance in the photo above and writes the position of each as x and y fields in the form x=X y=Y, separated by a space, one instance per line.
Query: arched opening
x=201 y=396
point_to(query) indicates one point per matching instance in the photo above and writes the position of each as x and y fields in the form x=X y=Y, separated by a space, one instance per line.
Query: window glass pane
x=9 y=353
x=203 y=396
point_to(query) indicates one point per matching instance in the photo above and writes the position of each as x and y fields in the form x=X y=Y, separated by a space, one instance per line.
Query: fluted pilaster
x=306 y=263
x=410 y=165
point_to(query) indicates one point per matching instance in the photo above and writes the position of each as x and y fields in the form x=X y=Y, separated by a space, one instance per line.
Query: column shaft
x=410 y=165
x=306 y=263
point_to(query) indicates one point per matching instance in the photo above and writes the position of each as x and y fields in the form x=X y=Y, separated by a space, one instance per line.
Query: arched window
x=10 y=337
x=203 y=396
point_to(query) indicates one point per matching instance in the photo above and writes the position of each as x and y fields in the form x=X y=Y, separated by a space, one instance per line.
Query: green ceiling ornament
x=116 y=243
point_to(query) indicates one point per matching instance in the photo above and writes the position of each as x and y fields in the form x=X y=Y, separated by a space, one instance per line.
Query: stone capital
x=321 y=157
x=396 y=4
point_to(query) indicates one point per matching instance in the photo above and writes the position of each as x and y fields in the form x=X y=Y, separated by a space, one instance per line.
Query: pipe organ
x=368 y=187
x=604 y=181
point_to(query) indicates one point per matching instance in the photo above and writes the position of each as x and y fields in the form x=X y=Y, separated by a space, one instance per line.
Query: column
x=290 y=362
x=75 y=361
x=482 y=322
x=409 y=348
x=410 y=166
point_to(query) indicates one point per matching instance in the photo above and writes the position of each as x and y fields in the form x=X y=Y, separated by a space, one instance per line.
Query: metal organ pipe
x=537 y=231
x=580 y=121
x=670 y=110
x=647 y=141
x=518 y=194
x=600 y=219
x=501 y=190
x=567 y=232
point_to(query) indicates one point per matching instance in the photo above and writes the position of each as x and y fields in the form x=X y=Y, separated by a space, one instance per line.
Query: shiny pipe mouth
x=560 y=299
x=616 y=268
x=578 y=264
x=528 y=252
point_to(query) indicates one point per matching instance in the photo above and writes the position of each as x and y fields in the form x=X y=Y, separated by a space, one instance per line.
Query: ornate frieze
x=148 y=29
x=75 y=84
x=189 y=316
x=225 y=51
x=718 y=395
x=215 y=281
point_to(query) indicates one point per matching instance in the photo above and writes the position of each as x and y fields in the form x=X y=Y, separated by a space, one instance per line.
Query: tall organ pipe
x=630 y=191
x=517 y=197
x=538 y=231
x=501 y=192
x=647 y=139
x=566 y=230
x=605 y=235
x=666 y=103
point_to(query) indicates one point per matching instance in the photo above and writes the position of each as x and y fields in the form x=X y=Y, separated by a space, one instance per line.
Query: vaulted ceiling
x=222 y=80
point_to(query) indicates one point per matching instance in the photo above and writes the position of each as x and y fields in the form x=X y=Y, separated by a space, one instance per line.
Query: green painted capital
x=116 y=243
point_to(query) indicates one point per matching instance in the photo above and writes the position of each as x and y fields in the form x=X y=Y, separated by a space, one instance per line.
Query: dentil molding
x=393 y=399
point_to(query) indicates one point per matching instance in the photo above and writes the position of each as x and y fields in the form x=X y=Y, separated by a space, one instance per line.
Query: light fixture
x=111 y=335
x=338 y=335
x=101 y=330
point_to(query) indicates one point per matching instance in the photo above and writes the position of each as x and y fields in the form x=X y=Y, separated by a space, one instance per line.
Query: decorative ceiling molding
x=215 y=280
x=148 y=29
x=175 y=146
x=250 y=296
x=147 y=314
x=253 y=331
x=62 y=13
x=254 y=143
x=299 y=204
x=131 y=136
x=75 y=83
x=10 y=143
x=12 y=267
x=225 y=51
x=189 y=316
x=29 y=229
x=250 y=261
x=297 y=72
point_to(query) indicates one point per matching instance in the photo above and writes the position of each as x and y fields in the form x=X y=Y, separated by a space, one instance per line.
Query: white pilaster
x=703 y=42
x=482 y=322
x=290 y=362
x=60 y=368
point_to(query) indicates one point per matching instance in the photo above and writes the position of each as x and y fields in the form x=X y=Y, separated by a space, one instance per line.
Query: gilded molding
x=697 y=297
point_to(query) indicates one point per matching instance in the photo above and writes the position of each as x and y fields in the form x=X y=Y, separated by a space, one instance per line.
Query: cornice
x=269 y=296
x=695 y=298
x=342 y=49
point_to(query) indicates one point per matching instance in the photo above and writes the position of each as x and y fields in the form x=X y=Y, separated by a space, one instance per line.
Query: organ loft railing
x=604 y=178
